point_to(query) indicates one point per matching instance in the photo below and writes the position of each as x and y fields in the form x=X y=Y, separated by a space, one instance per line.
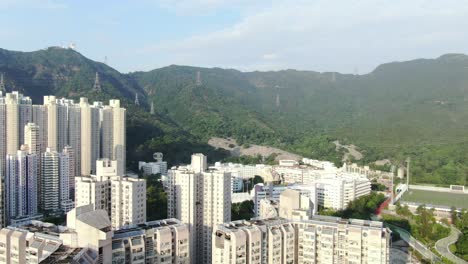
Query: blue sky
x=323 y=35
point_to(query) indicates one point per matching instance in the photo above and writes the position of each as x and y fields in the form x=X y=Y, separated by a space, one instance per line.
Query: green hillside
x=67 y=73
x=416 y=108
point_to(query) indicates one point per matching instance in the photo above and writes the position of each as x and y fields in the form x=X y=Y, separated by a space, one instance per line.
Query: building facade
x=318 y=240
x=21 y=185
x=201 y=199
x=124 y=198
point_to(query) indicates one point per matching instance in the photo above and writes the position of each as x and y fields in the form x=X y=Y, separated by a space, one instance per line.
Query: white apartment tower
x=113 y=132
x=55 y=187
x=90 y=136
x=50 y=182
x=32 y=139
x=201 y=199
x=124 y=198
x=21 y=184
x=15 y=113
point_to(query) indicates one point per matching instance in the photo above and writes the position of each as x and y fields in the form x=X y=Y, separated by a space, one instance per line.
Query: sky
x=348 y=36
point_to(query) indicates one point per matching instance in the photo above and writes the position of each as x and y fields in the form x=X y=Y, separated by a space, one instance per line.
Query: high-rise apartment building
x=318 y=240
x=124 y=198
x=21 y=185
x=59 y=124
x=55 y=173
x=113 y=132
x=90 y=136
x=202 y=199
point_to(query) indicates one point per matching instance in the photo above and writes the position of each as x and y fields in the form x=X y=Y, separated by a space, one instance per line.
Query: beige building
x=161 y=241
x=319 y=240
x=124 y=198
x=202 y=199
x=88 y=238
x=113 y=132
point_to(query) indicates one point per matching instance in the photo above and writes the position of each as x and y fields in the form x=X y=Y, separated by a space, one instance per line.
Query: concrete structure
x=90 y=136
x=240 y=170
x=335 y=190
x=201 y=199
x=55 y=187
x=149 y=168
x=269 y=192
x=15 y=113
x=124 y=198
x=319 y=240
x=113 y=132
x=88 y=238
x=21 y=185
x=162 y=241
x=296 y=205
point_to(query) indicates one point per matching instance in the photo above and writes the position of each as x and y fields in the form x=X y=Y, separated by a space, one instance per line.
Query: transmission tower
x=199 y=82
x=97 y=83
x=137 y=102
x=407 y=173
x=2 y=83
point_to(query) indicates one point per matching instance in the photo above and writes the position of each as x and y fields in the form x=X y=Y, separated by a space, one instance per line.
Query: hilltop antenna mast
x=2 y=83
x=105 y=60
x=152 y=108
x=97 y=83
x=137 y=102
x=199 y=82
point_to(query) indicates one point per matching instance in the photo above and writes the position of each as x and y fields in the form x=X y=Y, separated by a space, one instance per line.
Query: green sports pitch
x=437 y=198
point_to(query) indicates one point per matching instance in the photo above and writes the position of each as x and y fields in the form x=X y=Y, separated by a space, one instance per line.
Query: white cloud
x=323 y=35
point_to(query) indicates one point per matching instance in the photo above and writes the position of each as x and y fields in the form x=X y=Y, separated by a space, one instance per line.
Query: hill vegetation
x=417 y=108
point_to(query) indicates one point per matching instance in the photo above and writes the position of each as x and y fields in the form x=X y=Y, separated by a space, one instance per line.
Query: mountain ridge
x=417 y=107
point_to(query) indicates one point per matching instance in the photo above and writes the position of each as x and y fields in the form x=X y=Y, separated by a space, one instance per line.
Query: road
x=417 y=245
x=442 y=246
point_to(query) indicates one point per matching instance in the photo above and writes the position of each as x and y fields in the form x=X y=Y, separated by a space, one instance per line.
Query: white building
x=319 y=240
x=200 y=198
x=88 y=238
x=21 y=185
x=270 y=192
x=55 y=187
x=149 y=168
x=162 y=241
x=240 y=170
x=59 y=123
x=334 y=191
x=124 y=198
x=113 y=132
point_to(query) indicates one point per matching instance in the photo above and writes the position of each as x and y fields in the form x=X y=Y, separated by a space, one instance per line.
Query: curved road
x=442 y=246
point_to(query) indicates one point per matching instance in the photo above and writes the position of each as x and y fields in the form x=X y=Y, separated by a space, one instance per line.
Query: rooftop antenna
x=199 y=82
x=152 y=108
x=97 y=83
x=137 y=102
x=2 y=83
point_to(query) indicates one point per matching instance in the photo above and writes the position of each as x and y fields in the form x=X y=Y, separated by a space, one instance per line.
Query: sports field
x=437 y=198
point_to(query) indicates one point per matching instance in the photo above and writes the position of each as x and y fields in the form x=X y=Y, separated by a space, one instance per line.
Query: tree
x=243 y=210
